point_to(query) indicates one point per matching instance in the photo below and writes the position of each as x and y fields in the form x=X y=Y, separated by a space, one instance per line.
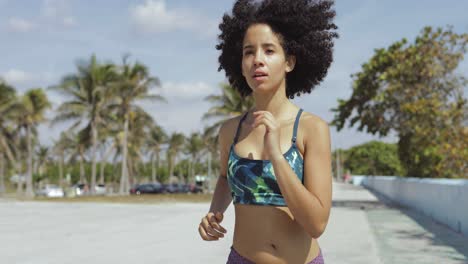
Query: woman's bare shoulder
x=228 y=128
x=313 y=124
x=311 y=119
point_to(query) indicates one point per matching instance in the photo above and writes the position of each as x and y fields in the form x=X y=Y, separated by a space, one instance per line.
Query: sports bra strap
x=296 y=124
x=239 y=126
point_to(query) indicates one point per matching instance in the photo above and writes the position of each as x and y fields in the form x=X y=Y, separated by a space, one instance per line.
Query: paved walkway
x=361 y=230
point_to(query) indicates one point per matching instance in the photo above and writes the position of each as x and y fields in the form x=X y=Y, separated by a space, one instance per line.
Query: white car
x=50 y=190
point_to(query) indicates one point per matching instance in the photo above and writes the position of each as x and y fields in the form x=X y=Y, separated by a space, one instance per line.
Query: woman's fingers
x=265 y=118
x=214 y=223
x=210 y=229
x=205 y=235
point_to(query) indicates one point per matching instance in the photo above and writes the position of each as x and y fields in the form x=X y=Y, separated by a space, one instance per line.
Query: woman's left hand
x=271 y=139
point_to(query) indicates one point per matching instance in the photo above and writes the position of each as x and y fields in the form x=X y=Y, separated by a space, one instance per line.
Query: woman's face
x=264 y=63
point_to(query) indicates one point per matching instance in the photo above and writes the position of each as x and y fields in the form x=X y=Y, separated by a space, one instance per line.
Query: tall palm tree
x=59 y=149
x=33 y=105
x=140 y=124
x=7 y=99
x=134 y=84
x=89 y=92
x=156 y=138
x=176 y=144
x=226 y=105
x=194 y=147
x=42 y=155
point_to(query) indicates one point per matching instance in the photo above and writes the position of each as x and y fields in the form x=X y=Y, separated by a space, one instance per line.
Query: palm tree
x=176 y=144
x=227 y=105
x=42 y=154
x=7 y=99
x=33 y=105
x=134 y=84
x=90 y=93
x=154 y=142
x=140 y=124
x=60 y=150
x=194 y=147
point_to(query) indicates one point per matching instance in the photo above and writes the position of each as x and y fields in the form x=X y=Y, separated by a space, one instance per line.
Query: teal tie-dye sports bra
x=253 y=181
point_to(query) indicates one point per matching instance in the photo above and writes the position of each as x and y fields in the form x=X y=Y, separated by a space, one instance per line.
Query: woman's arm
x=222 y=194
x=310 y=203
x=210 y=228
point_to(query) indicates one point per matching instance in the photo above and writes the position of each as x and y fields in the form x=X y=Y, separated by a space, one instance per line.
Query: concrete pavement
x=361 y=230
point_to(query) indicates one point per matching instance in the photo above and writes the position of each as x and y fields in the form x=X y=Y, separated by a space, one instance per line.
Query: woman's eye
x=269 y=51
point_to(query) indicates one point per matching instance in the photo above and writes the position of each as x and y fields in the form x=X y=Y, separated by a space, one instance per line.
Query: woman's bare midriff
x=270 y=234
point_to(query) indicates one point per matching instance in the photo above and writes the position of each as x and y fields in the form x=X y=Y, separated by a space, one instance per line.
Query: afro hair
x=305 y=31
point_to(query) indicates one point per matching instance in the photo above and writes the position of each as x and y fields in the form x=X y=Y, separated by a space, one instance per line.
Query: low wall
x=444 y=200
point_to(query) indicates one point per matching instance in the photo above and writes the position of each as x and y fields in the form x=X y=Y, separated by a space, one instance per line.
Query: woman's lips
x=260 y=78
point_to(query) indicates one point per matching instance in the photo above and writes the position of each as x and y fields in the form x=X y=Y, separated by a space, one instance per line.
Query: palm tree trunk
x=19 y=189
x=82 y=176
x=29 y=187
x=2 y=173
x=12 y=159
x=60 y=163
x=130 y=171
x=94 y=133
x=192 y=171
x=103 y=163
x=124 y=177
x=157 y=165
x=153 y=169
x=171 y=166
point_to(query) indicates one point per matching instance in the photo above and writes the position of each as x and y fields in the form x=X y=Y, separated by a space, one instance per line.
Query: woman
x=275 y=158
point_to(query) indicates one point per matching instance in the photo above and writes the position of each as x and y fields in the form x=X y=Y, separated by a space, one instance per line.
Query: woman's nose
x=258 y=59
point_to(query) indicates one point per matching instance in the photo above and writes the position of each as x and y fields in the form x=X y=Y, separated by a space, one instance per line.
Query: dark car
x=147 y=188
x=182 y=188
x=194 y=188
x=172 y=188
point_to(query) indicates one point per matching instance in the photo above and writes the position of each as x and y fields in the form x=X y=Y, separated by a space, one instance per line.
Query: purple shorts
x=236 y=258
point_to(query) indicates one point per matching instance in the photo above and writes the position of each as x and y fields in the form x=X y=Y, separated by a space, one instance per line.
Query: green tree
x=194 y=146
x=225 y=106
x=7 y=99
x=33 y=105
x=414 y=90
x=89 y=93
x=134 y=84
x=156 y=138
x=176 y=145
x=374 y=158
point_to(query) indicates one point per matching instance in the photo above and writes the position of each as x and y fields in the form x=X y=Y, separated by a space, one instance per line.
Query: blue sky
x=43 y=39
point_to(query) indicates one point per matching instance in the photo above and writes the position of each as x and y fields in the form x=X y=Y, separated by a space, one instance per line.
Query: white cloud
x=153 y=17
x=20 y=25
x=14 y=76
x=186 y=90
x=57 y=12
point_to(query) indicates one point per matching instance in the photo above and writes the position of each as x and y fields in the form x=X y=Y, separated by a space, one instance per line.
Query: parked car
x=195 y=188
x=173 y=188
x=50 y=190
x=147 y=188
x=81 y=189
x=182 y=188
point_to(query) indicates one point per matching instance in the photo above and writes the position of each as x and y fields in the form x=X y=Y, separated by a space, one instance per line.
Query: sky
x=42 y=40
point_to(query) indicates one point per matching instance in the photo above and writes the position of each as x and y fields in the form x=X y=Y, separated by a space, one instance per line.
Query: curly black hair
x=305 y=31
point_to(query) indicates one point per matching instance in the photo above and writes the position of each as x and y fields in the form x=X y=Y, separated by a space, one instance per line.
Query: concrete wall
x=445 y=200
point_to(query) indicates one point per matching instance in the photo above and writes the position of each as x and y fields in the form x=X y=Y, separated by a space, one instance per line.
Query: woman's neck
x=276 y=103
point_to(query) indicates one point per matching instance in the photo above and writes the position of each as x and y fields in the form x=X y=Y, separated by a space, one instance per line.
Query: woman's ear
x=290 y=63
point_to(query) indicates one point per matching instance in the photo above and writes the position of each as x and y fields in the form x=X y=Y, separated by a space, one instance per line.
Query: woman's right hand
x=209 y=228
